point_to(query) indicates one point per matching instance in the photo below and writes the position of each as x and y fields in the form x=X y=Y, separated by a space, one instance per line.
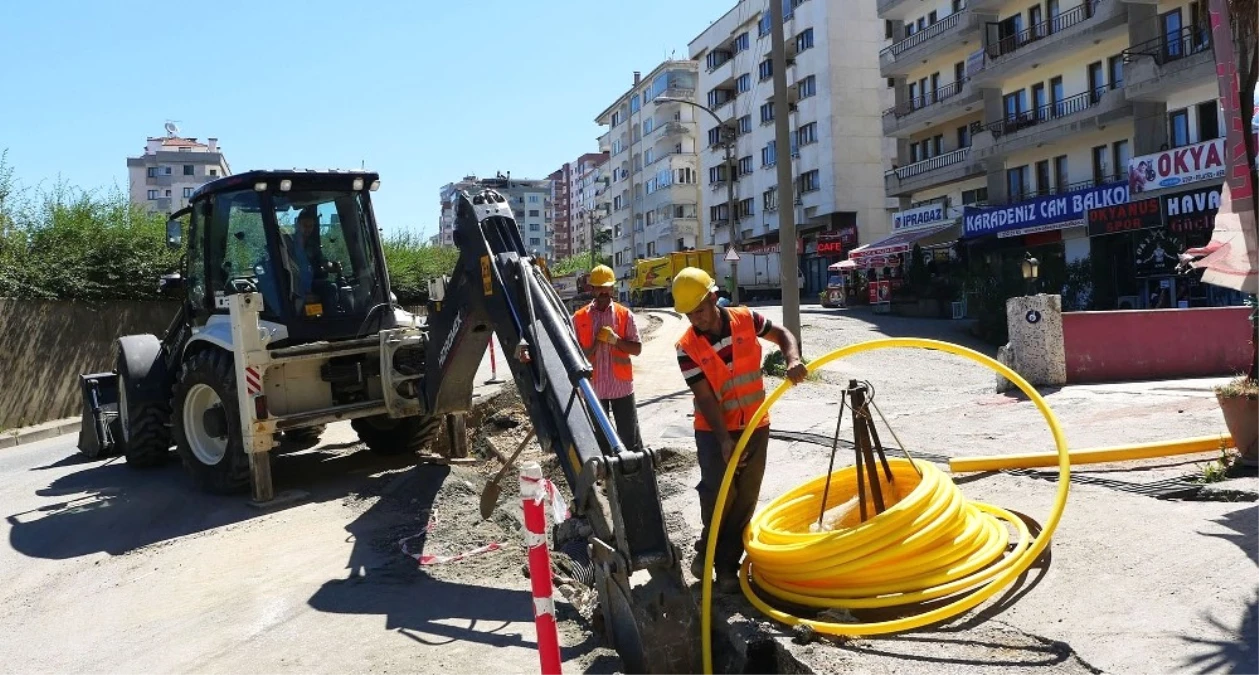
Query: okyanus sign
x=1043 y=210
x=1140 y=215
x=1178 y=166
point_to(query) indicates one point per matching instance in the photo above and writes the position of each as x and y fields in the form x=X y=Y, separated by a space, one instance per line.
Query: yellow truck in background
x=653 y=276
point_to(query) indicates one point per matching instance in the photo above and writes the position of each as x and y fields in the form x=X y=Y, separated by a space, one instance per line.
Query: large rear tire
x=385 y=435
x=145 y=436
x=207 y=427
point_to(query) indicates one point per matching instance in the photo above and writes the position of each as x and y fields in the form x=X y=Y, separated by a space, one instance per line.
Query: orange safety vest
x=740 y=388
x=622 y=369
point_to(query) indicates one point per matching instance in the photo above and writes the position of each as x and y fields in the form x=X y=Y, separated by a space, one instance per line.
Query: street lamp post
x=728 y=139
x=1031 y=270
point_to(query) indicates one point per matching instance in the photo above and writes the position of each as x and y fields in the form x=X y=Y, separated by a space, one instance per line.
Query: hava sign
x=1192 y=211
x=1140 y=215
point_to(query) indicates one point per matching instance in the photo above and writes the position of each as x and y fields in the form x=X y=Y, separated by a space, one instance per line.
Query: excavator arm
x=618 y=525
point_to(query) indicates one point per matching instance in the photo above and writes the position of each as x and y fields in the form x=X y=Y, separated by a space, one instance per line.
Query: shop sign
x=768 y=249
x=1192 y=211
x=1178 y=166
x=1140 y=215
x=1156 y=254
x=830 y=243
x=916 y=219
x=1052 y=212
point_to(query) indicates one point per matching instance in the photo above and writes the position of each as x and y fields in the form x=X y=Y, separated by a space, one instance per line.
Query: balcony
x=1072 y=115
x=945 y=34
x=1091 y=22
x=1156 y=69
x=669 y=129
x=950 y=101
x=939 y=170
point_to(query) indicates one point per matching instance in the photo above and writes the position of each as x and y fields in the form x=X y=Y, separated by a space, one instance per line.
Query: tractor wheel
x=385 y=435
x=207 y=425
x=145 y=437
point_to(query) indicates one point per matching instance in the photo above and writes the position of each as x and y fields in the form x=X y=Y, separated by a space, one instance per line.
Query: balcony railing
x=1047 y=113
x=1061 y=189
x=934 y=30
x=1165 y=48
x=927 y=165
x=1012 y=43
x=930 y=98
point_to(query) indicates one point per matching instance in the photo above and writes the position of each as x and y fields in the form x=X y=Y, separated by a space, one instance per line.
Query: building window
x=533 y=199
x=152 y=172
x=685 y=176
x=810 y=181
x=766 y=69
x=717 y=174
x=188 y=192
x=168 y=193
x=764 y=26
x=744 y=83
x=807 y=134
x=745 y=124
x=1122 y=153
x=1043 y=186
x=152 y=194
x=616 y=116
x=767 y=113
x=769 y=156
x=976 y=196
x=1208 y=121
x=167 y=171
x=534 y=227
x=535 y=241
x=887 y=29
x=938 y=143
x=745 y=208
x=714 y=136
x=804 y=40
x=1179 y=132
x=745 y=165
x=533 y=213
x=769 y=200
x=718 y=212
x=188 y=170
x=807 y=87
x=1101 y=167
x=958 y=5
x=741 y=43
x=1016 y=183
x=1116 y=71
x=1062 y=178
x=963 y=136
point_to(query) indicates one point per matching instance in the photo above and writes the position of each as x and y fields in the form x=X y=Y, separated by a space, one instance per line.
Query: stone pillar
x=1035 y=349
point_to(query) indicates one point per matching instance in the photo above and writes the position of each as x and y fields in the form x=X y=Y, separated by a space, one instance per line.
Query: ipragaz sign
x=1052 y=212
x=917 y=218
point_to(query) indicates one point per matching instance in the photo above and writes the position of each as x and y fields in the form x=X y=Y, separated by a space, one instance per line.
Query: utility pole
x=789 y=261
x=732 y=210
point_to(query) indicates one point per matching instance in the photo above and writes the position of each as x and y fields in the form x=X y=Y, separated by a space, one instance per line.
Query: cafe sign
x=918 y=218
x=1178 y=166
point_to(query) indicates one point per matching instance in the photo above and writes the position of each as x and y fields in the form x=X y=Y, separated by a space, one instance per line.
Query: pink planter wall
x=1156 y=344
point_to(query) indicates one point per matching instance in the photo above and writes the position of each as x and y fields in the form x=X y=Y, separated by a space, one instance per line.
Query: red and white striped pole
x=493 y=364
x=533 y=492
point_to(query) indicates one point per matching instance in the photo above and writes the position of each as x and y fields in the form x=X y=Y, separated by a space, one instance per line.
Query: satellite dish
x=171 y=129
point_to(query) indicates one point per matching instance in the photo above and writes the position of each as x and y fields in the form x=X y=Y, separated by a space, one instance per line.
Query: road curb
x=662 y=311
x=41 y=432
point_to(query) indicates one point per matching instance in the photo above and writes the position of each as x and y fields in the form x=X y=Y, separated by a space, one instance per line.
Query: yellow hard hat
x=602 y=275
x=690 y=287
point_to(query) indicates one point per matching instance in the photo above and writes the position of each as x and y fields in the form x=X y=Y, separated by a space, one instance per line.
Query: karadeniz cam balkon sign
x=1042 y=214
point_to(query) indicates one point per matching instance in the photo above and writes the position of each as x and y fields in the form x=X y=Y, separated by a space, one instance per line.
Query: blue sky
x=422 y=92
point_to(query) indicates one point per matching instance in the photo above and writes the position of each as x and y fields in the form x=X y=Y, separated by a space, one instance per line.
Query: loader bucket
x=100 y=429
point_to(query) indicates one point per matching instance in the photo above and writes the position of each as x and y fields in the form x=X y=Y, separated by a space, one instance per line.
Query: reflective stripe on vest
x=622 y=368
x=738 y=387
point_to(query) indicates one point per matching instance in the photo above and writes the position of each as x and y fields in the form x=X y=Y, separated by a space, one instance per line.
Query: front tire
x=145 y=436
x=207 y=426
x=385 y=435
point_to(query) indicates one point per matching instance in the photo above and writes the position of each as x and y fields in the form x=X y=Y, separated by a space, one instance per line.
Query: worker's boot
x=697 y=566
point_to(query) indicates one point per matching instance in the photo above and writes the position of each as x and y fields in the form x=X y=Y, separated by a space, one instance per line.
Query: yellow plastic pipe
x=1120 y=453
x=931 y=544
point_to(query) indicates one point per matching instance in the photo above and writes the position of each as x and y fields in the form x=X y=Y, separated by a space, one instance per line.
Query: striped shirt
x=607 y=387
x=691 y=371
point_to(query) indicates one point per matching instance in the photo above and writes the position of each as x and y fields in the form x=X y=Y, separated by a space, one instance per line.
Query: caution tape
x=425 y=559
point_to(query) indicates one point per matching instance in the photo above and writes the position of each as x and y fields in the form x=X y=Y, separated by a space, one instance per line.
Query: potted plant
x=1239 y=402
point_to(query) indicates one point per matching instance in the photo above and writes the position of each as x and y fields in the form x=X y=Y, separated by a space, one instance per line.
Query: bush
x=775 y=365
x=412 y=262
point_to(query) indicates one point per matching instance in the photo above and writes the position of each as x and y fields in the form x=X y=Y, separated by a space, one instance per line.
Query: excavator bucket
x=100 y=429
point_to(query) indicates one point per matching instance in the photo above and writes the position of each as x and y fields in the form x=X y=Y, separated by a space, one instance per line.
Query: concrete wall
x=1156 y=344
x=47 y=344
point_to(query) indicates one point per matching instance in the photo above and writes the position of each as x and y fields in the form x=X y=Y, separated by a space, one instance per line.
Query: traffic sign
x=732 y=255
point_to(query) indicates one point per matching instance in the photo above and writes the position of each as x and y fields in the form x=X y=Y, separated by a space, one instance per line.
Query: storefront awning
x=904 y=241
x=842 y=266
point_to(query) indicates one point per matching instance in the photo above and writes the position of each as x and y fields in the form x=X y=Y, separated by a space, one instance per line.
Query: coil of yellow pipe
x=931 y=543
x=1121 y=453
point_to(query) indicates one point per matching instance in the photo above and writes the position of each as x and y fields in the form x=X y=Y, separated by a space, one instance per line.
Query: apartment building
x=653 y=196
x=561 y=216
x=1018 y=125
x=530 y=201
x=838 y=151
x=171 y=168
x=586 y=218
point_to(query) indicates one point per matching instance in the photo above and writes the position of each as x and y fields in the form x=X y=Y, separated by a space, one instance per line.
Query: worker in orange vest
x=720 y=359
x=609 y=336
